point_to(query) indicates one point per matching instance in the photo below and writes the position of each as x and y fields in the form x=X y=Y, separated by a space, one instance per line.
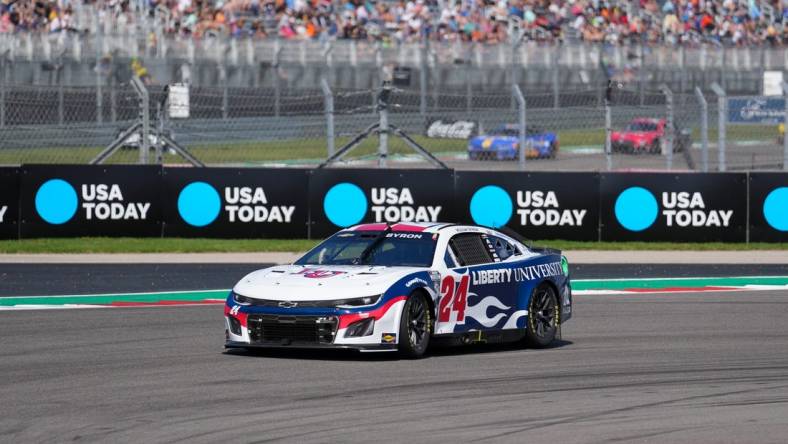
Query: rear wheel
x=543 y=317
x=415 y=327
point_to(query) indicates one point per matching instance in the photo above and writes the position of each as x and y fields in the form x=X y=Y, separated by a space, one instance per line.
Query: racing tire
x=553 y=151
x=415 y=327
x=543 y=317
x=654 y=147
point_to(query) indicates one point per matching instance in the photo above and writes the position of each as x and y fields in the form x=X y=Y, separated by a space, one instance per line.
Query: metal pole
x=383 y=134
x=3 y=81
x=785 y=120
x=277 y=93
x=60 y=94
x=142 y=91
x=468 y=87
x=722 y=105
x=423 y=79
x=328 y=98
x=113 y=99
x=556 y=56
x=608 y=126
x=225 y=92
x=641 y=78
x=99 y=94
x=669 y=133
x=517 y=94
x=704 y=128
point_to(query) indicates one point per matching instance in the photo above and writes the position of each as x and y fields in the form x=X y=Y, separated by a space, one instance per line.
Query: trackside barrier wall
x=9 y=203
x=79 y=200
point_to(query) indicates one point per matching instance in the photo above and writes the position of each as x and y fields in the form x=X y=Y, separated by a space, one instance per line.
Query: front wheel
x=543 y=317
x=415 y=327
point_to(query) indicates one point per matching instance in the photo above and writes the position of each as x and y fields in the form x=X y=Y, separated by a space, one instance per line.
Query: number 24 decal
x=454 y=297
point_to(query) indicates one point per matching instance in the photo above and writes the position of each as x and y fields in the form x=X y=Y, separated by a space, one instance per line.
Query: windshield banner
x=536 y=205
x=9 y=203
x=341 y=198
x=235 y=202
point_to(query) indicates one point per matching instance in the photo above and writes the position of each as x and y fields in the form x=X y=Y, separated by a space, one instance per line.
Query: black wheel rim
x=543 y=311
x=417 y=321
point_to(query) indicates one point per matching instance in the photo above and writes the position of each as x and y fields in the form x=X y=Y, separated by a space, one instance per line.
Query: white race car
x=381 y=287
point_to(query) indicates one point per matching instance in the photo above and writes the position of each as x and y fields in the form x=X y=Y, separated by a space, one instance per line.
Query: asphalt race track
x=689 y=367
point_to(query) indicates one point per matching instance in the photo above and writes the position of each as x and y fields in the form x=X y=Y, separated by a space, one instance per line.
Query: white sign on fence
x=772 y=83
x=179 y=101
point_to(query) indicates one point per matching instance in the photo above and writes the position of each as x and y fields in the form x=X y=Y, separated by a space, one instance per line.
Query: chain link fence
x=268 y=126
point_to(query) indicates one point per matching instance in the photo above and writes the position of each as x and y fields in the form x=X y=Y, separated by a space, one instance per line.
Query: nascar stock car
x=503 y=143
x=645 y=135
x=382 y=287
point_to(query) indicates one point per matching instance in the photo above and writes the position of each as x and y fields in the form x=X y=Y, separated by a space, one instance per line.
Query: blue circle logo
x=345 y=204
x=636 y=209
x=775 y=209
x=199 y=204
x=56 y=201
x=491 y=206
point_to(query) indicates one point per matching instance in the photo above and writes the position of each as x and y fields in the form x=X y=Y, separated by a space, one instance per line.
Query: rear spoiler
x=527 y=242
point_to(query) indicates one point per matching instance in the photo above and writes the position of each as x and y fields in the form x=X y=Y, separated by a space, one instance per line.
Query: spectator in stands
x=673 y=22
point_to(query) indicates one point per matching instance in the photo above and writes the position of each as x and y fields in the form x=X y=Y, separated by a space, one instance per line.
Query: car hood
x=316 y=282
x=633 y=136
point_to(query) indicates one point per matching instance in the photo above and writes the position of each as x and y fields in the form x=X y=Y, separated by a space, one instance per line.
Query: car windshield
x=642 y=126
x=514 y=132
x=387 y=248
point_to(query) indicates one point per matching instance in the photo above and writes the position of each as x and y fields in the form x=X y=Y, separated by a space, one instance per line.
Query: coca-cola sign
x=451 y=129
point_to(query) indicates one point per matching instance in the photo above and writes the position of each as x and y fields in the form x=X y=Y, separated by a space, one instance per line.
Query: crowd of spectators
x=729 y=22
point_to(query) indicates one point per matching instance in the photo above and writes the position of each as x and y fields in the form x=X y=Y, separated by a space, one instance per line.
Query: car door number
x=454 y=297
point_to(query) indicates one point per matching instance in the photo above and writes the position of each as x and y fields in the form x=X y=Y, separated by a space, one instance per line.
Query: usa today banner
x=340 y=198
x=9 y=203
x=235 y=202
x=84 y=200
x=685 y=207
x=536 y=205
x=768 y=207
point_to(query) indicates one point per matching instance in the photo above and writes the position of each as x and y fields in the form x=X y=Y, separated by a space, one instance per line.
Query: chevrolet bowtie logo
x=287 y=304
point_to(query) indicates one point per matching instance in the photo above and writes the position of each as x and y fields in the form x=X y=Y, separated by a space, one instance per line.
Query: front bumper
x=362 y=348
x=264 y=327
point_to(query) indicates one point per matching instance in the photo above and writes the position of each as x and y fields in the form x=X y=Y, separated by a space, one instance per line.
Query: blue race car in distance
x=503 y=143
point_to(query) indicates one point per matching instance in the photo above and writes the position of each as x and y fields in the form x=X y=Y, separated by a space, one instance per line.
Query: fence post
x=99 y=94
x=704 y=128
x=608 y=125
x=3 y=80
x=276 y=65
x=142 y=91
x=722 y=108
x=785 y=139
x=517 y=94
x=225 y=81
x=555 y=72
x=670 y=132
x=328 y=98
x=423 y=79
x=468 y=86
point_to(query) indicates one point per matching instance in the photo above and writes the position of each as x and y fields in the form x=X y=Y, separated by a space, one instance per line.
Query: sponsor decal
x=346 y=204
x=636 y=209
x=541 y=208
x=491 y=206
x=516 y=274
x=57 y=202
x=315 y=273
x=199 y=205
x=763 y=110
x=416 y=281
x=388 y=338
x=451 y=129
